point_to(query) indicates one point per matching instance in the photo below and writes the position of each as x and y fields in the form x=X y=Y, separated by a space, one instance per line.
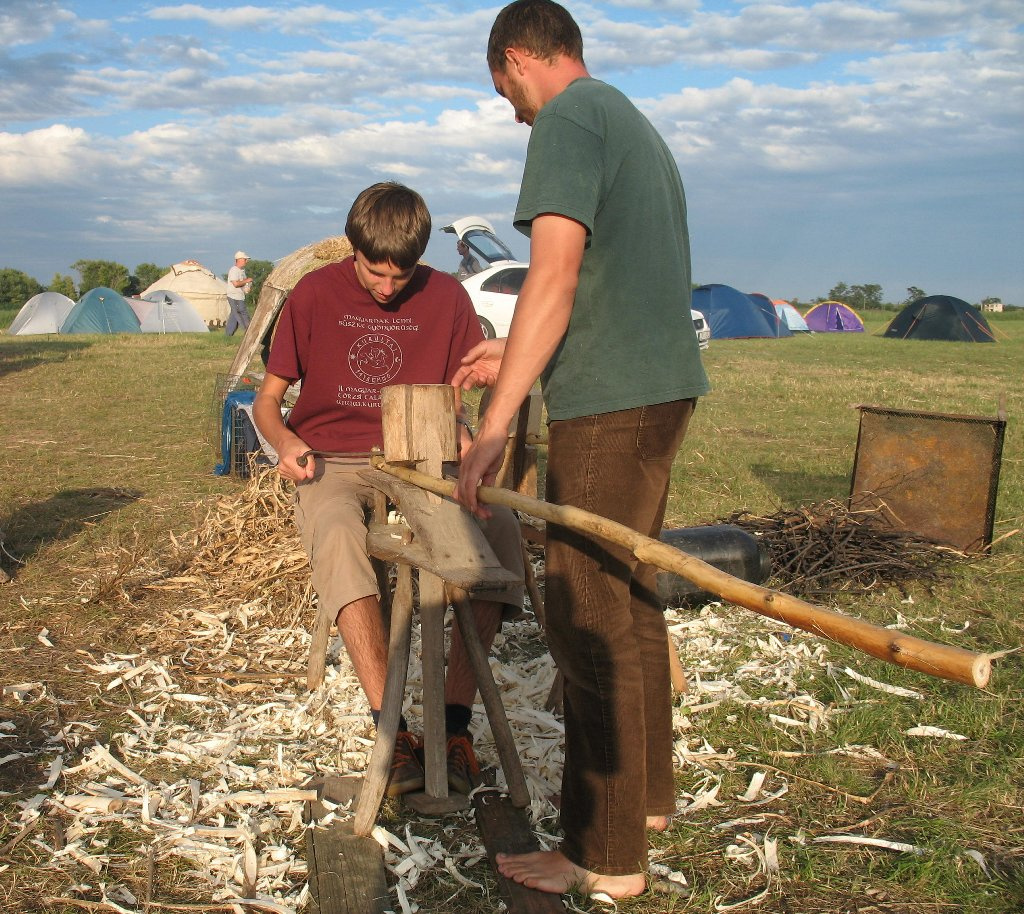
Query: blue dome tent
x=101 y=310
x=790 y=316
x=732 y=314
x=767 y=307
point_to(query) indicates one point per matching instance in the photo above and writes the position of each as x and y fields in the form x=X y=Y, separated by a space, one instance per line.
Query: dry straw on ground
x=247 y=547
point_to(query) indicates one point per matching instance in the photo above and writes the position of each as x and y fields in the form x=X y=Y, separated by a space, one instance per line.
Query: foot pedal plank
x=506 y=829
x=346 y=871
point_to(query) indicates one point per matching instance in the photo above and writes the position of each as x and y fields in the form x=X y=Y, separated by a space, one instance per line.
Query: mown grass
x=107 y=446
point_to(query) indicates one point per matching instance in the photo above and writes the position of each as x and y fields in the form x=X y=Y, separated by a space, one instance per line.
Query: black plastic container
x=729 y=548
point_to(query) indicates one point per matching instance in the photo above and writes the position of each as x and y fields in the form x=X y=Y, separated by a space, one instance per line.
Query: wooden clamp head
x=419 y=426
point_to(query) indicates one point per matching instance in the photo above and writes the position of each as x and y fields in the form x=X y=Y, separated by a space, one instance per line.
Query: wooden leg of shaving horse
x=435 y=741
x=517 y=790
x=554 y=699
x=435 y=799
x=675 y=666
x=532 y=590
x=376 y=780
x=318 y=648
x=380 y=568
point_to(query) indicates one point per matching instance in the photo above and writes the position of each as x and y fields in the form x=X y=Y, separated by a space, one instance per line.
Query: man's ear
x=516 y=59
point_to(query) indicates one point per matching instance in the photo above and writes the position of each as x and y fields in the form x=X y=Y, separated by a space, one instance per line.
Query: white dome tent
x=167 y=312
x=42 y=313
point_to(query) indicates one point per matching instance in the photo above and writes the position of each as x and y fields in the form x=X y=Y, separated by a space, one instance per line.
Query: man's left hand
x=480 y=465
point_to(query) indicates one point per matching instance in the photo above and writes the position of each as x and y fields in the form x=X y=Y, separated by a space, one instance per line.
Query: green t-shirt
x=594 y=158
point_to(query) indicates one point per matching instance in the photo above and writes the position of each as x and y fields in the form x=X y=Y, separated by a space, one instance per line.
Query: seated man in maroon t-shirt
x=347 y=330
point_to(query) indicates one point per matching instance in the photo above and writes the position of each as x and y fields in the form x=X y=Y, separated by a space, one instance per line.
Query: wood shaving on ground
x=224 y=744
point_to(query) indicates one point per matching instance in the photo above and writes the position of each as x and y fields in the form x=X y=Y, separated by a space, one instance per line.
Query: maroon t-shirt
x=345 y=347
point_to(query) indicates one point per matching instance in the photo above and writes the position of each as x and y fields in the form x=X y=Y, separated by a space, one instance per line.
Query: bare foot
x=659 y=823
x=553 y=872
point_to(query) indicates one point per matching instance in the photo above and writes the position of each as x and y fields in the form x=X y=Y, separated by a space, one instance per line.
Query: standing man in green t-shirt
x=603 y=319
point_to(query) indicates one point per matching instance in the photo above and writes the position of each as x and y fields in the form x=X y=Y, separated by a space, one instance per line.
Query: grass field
x=107 y=451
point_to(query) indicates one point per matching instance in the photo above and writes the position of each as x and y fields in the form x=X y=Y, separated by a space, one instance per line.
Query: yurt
x=205 y=291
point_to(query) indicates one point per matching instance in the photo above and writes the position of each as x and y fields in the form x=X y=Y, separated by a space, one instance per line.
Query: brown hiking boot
x=463 y=768
x=406 y=768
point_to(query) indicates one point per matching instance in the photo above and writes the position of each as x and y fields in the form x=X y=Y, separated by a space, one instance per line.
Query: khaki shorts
x=331 y=511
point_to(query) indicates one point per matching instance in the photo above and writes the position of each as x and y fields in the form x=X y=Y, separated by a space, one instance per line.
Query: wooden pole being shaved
x=938 y=660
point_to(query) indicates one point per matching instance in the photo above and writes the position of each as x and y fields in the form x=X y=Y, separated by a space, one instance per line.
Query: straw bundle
x=247 y=549
x=313 y=256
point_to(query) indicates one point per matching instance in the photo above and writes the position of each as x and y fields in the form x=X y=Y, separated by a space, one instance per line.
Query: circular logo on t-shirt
x=375 y=359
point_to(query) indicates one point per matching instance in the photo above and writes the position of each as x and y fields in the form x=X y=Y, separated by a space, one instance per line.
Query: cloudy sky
x=852 y=141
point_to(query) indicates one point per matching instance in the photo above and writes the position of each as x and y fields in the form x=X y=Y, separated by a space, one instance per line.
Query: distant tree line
x=869 y=296
x=17 y=287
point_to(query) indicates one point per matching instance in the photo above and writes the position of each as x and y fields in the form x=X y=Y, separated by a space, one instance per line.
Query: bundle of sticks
x=834 y=547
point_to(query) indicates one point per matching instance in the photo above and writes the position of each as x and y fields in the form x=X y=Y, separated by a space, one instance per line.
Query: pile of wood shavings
x=832 y=548
x=213 y=772
x=226 y=742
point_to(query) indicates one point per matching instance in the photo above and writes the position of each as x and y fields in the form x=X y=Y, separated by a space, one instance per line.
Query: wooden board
x=270 y=303
x=346 y=872
x=505 y=829
x=446 y=541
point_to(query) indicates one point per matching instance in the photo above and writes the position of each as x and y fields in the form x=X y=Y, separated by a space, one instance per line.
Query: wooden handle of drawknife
x=303 y=458
x=939 y=660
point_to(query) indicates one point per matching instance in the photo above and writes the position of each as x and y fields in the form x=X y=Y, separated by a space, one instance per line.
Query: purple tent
x=834 y=317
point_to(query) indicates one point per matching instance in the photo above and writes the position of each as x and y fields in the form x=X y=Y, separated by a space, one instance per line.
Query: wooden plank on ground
x=346 y=872
x=506 y=829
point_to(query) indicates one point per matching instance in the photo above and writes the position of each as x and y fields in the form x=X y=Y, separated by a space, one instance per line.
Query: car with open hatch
x=493 y=277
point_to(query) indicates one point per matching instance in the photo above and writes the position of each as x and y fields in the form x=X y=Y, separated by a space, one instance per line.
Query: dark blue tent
x=940 y=317
x=732 y=314
x=767 y=306
x=101 y=310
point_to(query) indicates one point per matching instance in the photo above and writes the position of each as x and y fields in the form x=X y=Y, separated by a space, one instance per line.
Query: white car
x=493 y=278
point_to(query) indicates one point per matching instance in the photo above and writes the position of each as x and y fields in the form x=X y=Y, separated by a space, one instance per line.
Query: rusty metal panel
x=932 y=474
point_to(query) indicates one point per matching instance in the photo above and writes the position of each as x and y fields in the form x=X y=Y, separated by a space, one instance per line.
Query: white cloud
x=53 y=155
x=250 y=17
x=244 y=138
x=28 y=21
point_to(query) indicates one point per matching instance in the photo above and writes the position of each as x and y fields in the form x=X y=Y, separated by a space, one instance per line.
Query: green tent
x=101 y=310
x=940 y=317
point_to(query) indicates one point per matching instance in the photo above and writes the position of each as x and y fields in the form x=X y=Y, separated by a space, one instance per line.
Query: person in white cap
x=239 y=285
